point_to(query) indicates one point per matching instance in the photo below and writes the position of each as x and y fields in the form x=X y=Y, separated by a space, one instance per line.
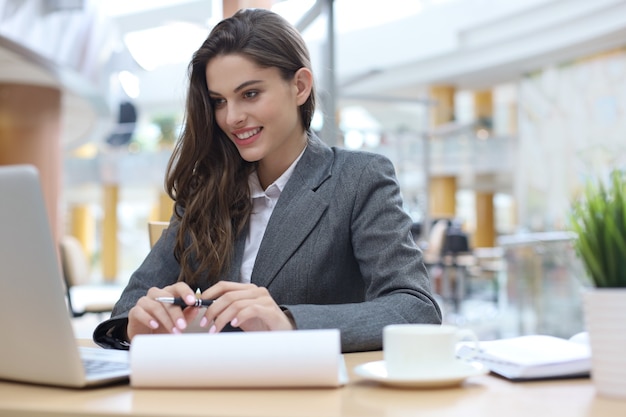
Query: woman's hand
x=151 y=316
x=246 y=306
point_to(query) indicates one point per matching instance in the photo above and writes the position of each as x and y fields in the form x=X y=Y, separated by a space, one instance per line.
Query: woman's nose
x=235 y=116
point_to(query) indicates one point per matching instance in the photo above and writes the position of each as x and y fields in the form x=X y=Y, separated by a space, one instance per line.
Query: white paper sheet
x=310 y=358
x=531 y=356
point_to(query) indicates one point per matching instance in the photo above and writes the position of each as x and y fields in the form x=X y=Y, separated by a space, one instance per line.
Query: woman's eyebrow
x=240 y=86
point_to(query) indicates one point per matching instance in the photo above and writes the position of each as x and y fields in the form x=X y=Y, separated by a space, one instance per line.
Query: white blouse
x=263 y=203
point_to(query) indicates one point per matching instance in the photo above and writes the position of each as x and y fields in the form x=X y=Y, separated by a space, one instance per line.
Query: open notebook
x=532 y=357
x=38 y=343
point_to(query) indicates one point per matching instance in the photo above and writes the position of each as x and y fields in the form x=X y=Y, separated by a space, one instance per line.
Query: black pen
x=180 y=302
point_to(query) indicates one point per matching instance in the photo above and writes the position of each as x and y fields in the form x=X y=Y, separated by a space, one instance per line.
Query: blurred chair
x=488 y=268
x=434 y=245
x=155 y=230
x=82 y=295
x=431 y=253
x=456 y=259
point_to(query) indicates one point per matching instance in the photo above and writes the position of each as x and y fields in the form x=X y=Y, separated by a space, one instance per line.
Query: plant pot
x=605 y=317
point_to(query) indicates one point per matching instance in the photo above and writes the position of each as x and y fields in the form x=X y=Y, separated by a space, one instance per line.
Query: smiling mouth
x=248 y=134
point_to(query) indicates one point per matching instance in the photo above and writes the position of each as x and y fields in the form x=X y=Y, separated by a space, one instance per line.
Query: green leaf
x=598 y=218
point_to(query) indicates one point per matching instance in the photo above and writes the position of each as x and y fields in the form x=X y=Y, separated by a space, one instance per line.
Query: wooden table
x=480 y=396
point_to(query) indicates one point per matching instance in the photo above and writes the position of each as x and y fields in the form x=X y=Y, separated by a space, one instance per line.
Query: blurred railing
x=544 y=279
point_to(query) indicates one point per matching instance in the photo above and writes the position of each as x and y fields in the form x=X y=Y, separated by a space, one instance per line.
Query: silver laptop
x=38 y=343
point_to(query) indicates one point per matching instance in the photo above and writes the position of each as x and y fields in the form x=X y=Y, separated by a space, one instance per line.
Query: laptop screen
x=38 y=343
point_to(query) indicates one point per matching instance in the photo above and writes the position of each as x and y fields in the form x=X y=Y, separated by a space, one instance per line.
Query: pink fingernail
x=190 y=299
x=204 y=321
x=181 y=324
x=234 y=322
x=154 y=324
x=176 y=331
x=213 y=329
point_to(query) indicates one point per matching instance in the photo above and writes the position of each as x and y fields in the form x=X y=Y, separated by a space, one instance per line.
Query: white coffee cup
x=416 y=350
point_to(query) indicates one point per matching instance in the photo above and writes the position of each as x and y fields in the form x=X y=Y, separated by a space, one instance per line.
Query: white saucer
x=377 y=371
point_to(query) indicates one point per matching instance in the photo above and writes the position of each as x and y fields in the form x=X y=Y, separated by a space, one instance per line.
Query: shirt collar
x=257 y=191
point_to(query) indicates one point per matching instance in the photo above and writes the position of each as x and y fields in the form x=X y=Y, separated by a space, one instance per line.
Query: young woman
x=280 y=230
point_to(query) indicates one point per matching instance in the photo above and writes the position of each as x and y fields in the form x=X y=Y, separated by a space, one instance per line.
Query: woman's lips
x=245 y=137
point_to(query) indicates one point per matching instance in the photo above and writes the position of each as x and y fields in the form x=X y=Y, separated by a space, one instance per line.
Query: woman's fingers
x=151 y=316
x=245 y=306
x=180 y=289
x=224 y=287
x=259 y=315
x=224 y=309
x=140 y=322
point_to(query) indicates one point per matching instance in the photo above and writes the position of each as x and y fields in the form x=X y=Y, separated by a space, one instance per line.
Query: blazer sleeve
x=396 y=284
x=159 y=269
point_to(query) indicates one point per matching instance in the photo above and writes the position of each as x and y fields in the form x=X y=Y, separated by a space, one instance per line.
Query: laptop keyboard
x=102 y=361
x=98 y=366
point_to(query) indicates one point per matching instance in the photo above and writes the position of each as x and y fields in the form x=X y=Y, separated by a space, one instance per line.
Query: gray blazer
x=337 y=253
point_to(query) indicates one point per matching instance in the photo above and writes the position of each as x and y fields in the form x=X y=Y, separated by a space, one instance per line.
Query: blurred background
x=495 y=114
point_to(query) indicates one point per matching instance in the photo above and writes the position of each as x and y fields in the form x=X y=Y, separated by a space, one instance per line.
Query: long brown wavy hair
x=206 y=176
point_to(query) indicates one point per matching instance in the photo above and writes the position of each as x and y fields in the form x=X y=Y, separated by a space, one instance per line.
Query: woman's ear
x=303 y=80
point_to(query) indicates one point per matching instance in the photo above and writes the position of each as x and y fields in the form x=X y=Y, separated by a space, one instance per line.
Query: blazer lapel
x=235 y=265
x=298 y=210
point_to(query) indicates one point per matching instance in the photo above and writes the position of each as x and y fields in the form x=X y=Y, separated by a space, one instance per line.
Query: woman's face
x=258 y=109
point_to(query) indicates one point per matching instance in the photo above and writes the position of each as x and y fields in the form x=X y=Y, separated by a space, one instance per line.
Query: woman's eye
x=251 y=94
x=217 y=102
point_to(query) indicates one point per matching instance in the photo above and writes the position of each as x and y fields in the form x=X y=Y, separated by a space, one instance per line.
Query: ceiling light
x=129 y=83
x=173 y=43
x=354 y=139
x=482 y=134
x=124 y=7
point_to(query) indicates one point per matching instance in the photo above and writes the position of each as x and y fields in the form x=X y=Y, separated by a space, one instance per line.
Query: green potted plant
x=598 y=219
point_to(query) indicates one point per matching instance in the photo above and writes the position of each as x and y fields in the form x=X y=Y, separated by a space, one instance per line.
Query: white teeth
x=248 y=134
